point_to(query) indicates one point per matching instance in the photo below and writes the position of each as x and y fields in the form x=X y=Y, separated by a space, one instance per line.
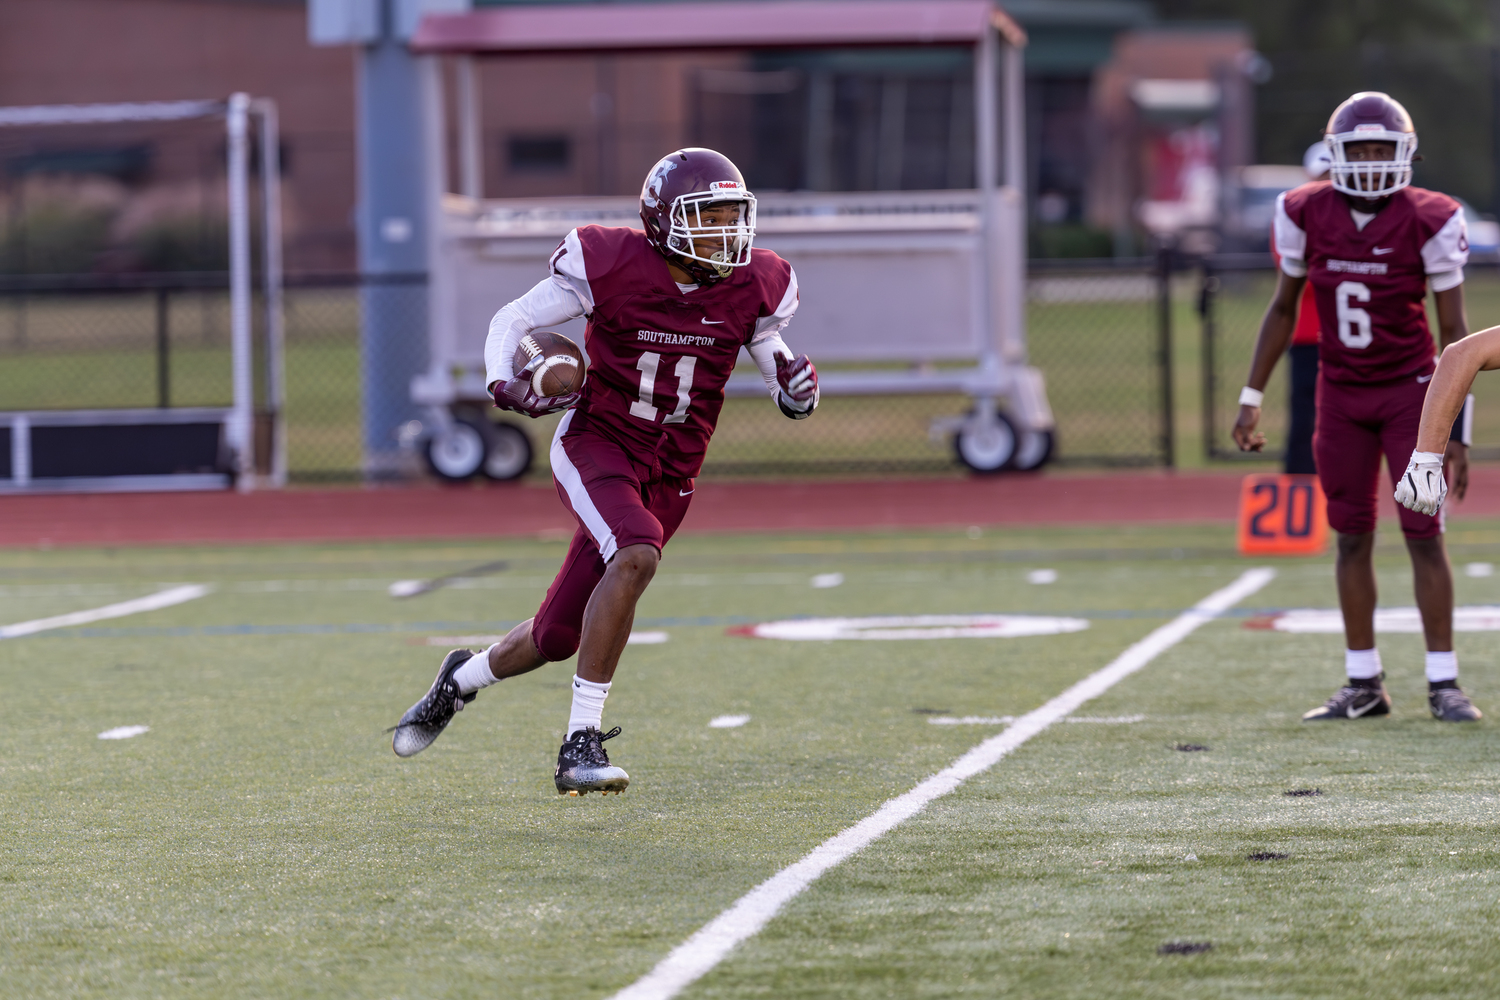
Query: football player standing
x=669 y=308
x=1370 y=245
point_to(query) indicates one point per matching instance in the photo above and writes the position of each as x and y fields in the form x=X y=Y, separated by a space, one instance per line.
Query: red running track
x=512 y=510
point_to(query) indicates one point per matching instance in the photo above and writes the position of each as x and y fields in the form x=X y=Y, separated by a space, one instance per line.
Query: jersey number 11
x=647 y=366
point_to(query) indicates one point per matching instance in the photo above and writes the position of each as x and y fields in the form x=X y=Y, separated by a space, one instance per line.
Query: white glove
x=1422 y=488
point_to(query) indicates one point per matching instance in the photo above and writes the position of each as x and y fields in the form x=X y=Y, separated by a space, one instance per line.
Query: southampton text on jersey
x=1357 y=267
x=657 y=337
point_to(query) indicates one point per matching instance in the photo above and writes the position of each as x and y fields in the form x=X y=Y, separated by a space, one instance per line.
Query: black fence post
x=1206 y=303
x=1164 y=323
x=163 y=366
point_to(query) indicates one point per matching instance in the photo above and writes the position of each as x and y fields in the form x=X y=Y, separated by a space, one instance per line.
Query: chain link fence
x=1098 y=331
x=92 y=342
x=1098 y=335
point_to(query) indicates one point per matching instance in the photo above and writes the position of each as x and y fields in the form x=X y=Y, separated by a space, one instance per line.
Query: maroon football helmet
x=677 y=190
x=1370 y=116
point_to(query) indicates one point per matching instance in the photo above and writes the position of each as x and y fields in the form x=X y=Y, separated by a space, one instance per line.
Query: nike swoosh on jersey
x=712 y=322
x=1383 y=250
x=1424 y=378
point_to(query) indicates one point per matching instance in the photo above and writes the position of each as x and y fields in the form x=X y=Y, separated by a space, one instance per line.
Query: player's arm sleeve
x=766 y=343
x=773 y=323
x=763 y=352
x=1290 y=241
x=568 y=270
x=550 y=303
x=1445 y=255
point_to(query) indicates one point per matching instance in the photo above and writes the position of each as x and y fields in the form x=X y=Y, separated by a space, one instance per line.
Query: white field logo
x=894 y=627
x=1305 y=621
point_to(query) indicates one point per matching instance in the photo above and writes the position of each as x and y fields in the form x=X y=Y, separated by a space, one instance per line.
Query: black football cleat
x=1353 y=702
x=425 y=720
x=583 y=766
x=1449 y=704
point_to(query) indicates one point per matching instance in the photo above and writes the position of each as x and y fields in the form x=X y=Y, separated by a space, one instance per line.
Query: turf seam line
x=713 y=942
x=151 y=602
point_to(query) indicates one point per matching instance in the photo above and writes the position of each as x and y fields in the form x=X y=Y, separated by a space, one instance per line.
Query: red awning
x=738 y=24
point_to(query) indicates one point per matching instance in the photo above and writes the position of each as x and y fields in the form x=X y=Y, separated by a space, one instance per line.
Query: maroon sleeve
x=608 y=249
x=1296 y=206
x=1433 y=210
x=772 y=276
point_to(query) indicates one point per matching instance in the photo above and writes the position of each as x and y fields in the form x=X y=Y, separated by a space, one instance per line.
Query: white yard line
x=152 y=602
x=709 y=946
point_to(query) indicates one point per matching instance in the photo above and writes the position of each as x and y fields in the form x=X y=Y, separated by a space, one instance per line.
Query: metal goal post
x=100 y=430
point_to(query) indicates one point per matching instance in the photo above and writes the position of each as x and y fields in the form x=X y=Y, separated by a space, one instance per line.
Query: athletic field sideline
x=198 y=798
x=512 y=510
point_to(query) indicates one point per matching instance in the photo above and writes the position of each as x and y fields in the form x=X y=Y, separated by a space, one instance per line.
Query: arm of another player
x=1453 y=326
x=1423 y=487
x=1276 y=329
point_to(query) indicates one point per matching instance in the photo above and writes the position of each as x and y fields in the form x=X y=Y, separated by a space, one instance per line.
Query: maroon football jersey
x=1370 y=284
x=659 y=357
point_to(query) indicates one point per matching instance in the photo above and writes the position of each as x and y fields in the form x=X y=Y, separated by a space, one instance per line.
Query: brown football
x=562 y=367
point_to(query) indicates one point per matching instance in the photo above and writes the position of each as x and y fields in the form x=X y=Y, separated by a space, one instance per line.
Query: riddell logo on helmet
x=717 y=186
x=1368 y=127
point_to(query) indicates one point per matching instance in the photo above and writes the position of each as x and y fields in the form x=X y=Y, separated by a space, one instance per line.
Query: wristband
x=1426 y=458
x=1463 y=427
x=1251 y=397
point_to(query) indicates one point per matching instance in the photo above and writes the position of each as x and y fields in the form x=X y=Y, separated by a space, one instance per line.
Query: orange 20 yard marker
x=1282 y=516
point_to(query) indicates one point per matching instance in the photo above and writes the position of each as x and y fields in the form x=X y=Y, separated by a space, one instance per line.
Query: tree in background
x=1436 y=57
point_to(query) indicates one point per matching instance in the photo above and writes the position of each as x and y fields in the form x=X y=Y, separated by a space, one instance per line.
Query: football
x=562 y=367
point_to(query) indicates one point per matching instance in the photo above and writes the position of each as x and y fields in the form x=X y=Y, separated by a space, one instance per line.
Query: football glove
x=1422 y=487
x=518 y=395
x=798 y=380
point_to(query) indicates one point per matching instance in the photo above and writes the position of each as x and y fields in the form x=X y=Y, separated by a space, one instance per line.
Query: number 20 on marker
x=1282 y=516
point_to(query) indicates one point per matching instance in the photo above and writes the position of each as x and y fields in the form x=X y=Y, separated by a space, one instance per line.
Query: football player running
x=1370 y=245
x=669 y=308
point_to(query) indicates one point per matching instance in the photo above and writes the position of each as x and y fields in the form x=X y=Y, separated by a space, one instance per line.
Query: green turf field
x=261 y=840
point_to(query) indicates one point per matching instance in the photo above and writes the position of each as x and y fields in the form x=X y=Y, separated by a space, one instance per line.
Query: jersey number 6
x=1353 y=316
x=648 y=364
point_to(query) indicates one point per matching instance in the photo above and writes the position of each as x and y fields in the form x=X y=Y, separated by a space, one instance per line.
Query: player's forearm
x=764 y=356
x=1453 y=323
x=763 y=352
x=1450 y=385
x=547 y=304
x=1275 y=336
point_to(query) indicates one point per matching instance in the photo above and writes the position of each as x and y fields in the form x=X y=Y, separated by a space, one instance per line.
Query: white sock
x=1362 y=664
x=588 y=705
x=1442 y=667
x=475 y=674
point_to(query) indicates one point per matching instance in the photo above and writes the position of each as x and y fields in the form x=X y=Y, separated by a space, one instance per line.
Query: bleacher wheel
x=509 y=452
x=1034 y=451
x=458 y=451
x=986 y=445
